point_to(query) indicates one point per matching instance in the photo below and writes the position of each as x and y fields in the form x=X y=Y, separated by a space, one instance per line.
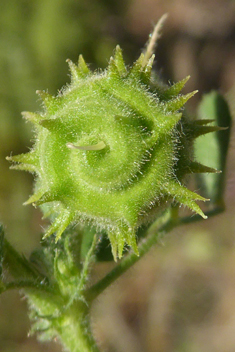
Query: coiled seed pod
x=112 y=149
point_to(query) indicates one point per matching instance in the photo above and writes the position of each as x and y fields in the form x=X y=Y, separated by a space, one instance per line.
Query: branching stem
x=153 y=237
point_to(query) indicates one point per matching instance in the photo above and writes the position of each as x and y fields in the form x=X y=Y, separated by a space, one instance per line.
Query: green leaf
x=211 y=149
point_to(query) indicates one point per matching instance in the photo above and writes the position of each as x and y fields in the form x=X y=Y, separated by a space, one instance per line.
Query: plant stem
x=74 y=329
x=91 y=293
x=18 y=266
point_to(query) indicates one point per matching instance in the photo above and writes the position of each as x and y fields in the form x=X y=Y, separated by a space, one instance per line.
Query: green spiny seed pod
x=112 y=149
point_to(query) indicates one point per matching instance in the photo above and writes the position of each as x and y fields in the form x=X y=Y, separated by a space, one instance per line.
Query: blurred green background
x=180 y=297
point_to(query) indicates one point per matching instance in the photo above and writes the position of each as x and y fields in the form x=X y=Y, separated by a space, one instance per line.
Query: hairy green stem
x=74 y=329
x=91 y=293
x=18 y=266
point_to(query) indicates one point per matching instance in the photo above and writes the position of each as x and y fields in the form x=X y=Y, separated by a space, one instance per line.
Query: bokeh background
x=180 y=297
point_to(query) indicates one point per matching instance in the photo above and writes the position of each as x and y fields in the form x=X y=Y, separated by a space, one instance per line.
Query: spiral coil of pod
x=112 y=149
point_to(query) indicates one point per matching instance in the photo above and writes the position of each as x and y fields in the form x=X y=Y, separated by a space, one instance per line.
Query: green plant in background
x=110 y=159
